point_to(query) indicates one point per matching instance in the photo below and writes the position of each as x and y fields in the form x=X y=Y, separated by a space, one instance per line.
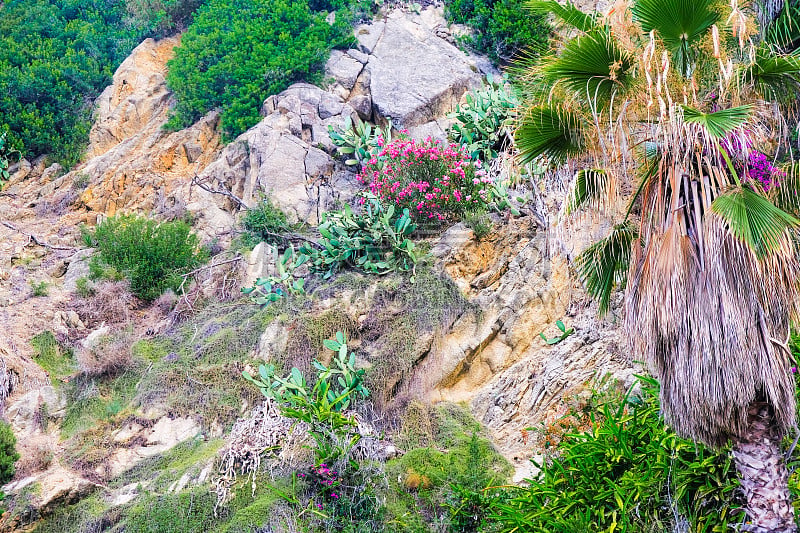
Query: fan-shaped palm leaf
x=784 y=31
x=604 y=264
x=754 y=220
x=592 y=67
x=590 y=189
x=551 y=132
x=719 y=123
x=566 y=13
x=680 y=24
x=775 y=76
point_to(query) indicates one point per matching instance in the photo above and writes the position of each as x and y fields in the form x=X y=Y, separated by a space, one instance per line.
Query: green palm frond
x=592 y=66
x=786 y=195
x=549 y=131
x=719 y=123
x=754 y=220
x=645 y=173
x=775 y=76
x=680 y=24
x=590 y=187
x=604 y=264
x=566 y=13
x=784 y=31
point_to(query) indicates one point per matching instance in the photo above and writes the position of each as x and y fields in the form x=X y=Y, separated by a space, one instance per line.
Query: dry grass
x=110 y=356
x=306 y=334
x=37 y=452
x=111 y=303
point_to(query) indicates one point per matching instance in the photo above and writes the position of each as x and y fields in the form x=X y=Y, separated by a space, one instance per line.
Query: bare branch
x=220 y=190
x=36 y=240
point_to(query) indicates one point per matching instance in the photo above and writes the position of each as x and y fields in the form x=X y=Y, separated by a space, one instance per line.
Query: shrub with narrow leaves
x=153 y=255
x=8 y=453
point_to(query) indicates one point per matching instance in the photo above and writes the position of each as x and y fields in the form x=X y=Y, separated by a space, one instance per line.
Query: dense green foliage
x=264 y=222
x=57 y=56
x=8 y=453
x=630 y=473
x=152 y=255
x=238 y=52
x=503 y=28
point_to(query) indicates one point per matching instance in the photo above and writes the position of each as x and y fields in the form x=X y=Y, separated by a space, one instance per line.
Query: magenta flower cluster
x=436 y=182
x=761 y=169
x=751 y=164
x=326 y=480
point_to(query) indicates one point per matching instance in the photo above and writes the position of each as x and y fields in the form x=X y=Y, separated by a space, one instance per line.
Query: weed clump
x=266 y=223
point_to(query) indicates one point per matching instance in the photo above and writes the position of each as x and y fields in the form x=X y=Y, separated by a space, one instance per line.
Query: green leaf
x=592 y=67
x=754 y=220
x=776 y=76
x=603 y=265
x=567 y=13
x=719 y=123
x=551 y=132
x=589 y=188
x=681 y=26
x=331 y=345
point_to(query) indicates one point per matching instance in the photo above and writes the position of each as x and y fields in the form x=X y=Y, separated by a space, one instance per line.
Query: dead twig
x=220 y=190
x=36 y=240
x=206 y=267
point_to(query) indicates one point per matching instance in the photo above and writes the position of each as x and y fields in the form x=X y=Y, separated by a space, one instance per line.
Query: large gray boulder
x=415 y=75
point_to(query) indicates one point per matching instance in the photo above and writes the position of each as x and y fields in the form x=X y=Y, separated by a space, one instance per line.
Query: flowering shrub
x=749 y=163
x=434 y=182
x=761 y=169
x=324 y=481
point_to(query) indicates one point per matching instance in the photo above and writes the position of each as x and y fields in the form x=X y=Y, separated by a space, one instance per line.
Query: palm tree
x=667 y=109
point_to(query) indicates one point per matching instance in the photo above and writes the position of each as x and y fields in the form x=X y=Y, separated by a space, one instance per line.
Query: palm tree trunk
x=763 y=474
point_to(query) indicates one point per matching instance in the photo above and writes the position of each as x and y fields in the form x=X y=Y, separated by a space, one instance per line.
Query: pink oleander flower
x=435 y=181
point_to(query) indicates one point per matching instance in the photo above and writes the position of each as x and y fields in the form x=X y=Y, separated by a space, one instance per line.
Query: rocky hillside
x=97 y=449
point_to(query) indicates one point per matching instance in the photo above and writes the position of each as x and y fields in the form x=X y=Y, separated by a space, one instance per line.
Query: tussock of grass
x=57 y=361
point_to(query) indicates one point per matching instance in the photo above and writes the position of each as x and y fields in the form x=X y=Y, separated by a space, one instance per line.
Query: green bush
x=152 y=255
x=8 y=453
x=503 y=28
x=629 y=472
x=265 y=222
x=39 y=288
x=238 y=52
x=55 y=59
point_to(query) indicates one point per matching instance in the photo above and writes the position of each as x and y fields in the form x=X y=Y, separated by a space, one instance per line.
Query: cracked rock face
x=494 y=359
x=416 y=76
x=404 y=70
